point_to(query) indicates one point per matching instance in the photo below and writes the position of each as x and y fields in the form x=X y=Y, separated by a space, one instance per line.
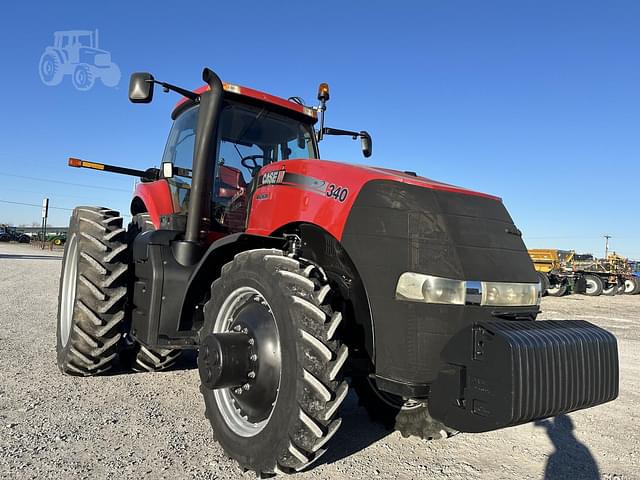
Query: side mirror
x=167 y=170
x=365 y=142
x=141 y=87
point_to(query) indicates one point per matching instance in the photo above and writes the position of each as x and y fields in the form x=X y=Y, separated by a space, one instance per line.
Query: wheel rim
x=48 y=68
x=591 y=286
x=81 y=77
x=629 y=286
x=394 y=401
x=69 y=278
x=551 y=290
x=248 y=413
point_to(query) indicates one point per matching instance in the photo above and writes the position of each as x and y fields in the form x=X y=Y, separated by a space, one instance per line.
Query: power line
x=35 y=205
x=47 y=193
x=50 y=207
x=48 y=180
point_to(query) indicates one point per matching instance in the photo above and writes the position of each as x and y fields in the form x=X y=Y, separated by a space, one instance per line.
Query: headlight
x=429 y=289
x=510 y=294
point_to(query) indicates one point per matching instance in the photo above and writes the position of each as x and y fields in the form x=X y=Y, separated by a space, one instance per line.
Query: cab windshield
x=258 y=132
x=249 y=137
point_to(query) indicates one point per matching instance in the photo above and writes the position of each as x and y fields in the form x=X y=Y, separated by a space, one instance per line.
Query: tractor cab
x=252 y=133
x=66 y=39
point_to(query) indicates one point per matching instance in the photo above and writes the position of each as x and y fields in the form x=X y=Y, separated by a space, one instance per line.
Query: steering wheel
x=250 y=162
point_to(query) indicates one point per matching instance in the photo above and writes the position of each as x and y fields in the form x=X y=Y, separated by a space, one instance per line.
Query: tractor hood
x=414 y=179
x=435 y=231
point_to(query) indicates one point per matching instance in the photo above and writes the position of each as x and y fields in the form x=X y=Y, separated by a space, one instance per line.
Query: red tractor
x=291 y=275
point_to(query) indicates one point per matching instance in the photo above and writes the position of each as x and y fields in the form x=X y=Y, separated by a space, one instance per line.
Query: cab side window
x=179 y=151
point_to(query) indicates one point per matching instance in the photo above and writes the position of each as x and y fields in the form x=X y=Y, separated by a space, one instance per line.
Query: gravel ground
x=152 y=425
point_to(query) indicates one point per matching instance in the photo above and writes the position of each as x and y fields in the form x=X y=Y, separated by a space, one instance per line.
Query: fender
x=153 y=198
x=208 y=269
x=322 y=248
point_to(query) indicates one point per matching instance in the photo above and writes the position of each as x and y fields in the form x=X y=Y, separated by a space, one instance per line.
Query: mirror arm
x=168 y=86
x=337 y=131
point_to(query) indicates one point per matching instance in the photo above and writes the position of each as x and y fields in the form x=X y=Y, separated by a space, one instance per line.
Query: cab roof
x=255 y=95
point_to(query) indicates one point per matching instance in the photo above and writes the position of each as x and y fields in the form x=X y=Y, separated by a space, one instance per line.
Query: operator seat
x=232 y=191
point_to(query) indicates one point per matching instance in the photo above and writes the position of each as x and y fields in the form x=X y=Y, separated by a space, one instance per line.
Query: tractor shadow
x=571 y=458
x=355 y=434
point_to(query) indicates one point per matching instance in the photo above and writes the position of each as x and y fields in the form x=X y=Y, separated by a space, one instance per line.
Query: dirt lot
x=152 y=425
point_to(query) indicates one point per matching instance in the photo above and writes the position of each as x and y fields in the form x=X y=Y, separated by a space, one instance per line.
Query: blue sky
x=535 y=101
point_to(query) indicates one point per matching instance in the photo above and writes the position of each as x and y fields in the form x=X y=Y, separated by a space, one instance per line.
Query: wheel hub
x=223 y=360
x=241 y=361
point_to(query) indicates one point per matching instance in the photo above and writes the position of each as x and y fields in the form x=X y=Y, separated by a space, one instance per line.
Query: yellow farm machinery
x=564 y=271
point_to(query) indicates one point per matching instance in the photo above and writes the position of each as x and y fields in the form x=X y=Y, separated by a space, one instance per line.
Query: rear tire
x=139 y=357
x=49 y=68
x=93 y=291
x=544 y=283
x=610 y=289
x=395 y=413
x=299 y=415
x=593 y=285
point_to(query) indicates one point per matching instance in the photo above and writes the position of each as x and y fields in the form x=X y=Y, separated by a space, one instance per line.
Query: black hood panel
x=454 y=235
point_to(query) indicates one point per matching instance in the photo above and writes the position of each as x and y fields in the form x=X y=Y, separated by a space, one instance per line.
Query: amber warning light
x=149 y=175
x=76 y=162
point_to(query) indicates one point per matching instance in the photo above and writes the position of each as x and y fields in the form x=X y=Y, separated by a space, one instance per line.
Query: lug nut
x=245 y=330
x=246 y=386
x=253 y=357
x=251 y=341
x=251 y=374
x=238 y=391
x=236 y=328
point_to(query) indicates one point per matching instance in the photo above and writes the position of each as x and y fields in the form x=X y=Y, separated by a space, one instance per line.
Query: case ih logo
x=271 y=178
x=76 y=53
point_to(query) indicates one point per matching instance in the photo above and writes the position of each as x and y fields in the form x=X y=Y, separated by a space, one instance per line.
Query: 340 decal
x=337 y=193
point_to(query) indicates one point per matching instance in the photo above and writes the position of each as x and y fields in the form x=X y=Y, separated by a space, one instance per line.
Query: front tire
x=83 y=78
x=281 y=420
x=409 y=417
x=93 y=291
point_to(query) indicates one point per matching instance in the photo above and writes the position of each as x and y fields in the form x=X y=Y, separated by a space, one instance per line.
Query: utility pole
x=45 y=214
x=606 y=246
